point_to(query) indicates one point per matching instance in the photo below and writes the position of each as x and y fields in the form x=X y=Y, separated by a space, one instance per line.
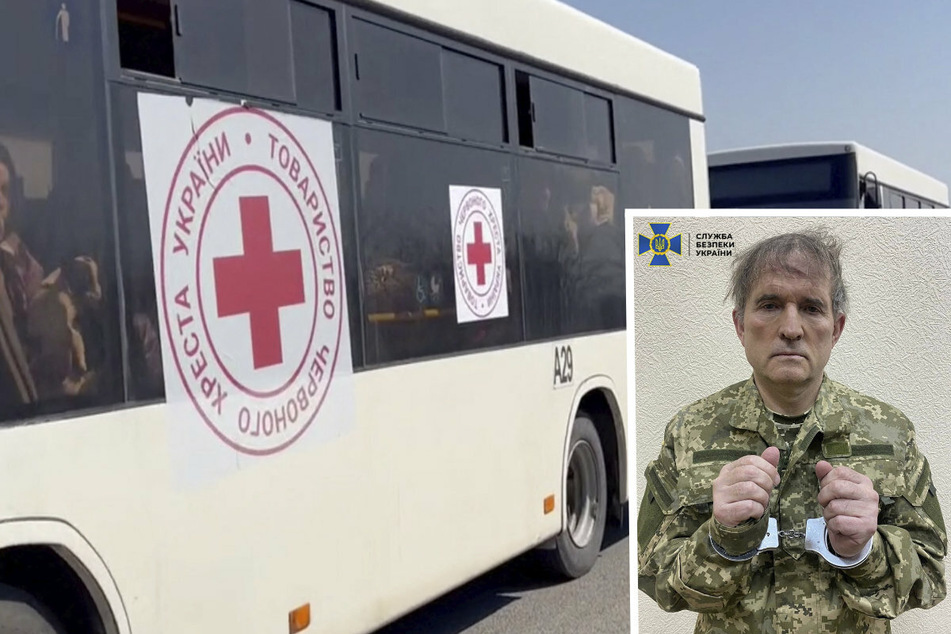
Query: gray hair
x=821 y=250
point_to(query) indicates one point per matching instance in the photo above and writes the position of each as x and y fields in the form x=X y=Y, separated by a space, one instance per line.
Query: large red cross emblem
x=479 y=254
x=259 y=282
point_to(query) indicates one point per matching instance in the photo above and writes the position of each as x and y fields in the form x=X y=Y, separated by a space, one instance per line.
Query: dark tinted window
x=315 y=57
x=398 y=77
x=59 y=343
x=145 y=36
x=343 y=139
x=412 y=82
x=654 y=157
x=242 y=46
x=142 y=325
x=894 y=199
x=475 y=100
x=572 y=245
x=811 y=182
x=558 y=119
x=598 y=129
x=406 y=239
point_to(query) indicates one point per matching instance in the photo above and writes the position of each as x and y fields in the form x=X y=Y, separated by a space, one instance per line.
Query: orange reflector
x=300 y=618
x=549 y=504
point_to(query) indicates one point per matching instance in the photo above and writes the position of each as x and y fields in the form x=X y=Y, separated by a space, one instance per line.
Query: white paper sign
x=250 y=281
x=478 y=247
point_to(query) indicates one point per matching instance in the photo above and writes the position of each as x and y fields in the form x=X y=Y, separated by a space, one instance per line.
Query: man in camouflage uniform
x=792 y=451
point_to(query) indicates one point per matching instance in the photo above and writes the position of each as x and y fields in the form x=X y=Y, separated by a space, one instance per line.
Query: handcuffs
x=816 y=538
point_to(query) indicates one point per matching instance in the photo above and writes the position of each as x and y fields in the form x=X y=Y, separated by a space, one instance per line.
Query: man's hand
x=850 y=507
x=742 y=489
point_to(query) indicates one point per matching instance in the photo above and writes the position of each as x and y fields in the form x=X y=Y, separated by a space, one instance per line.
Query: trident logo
x=659 y=245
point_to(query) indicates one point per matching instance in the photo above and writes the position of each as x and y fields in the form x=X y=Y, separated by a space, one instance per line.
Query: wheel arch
x=65 y=542
x=596 y=396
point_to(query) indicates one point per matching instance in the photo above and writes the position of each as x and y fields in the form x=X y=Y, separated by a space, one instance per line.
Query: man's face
x=788 y=327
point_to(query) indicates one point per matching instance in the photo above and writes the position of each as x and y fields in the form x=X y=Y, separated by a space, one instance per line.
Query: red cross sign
x=259 y=282
x=479 y=254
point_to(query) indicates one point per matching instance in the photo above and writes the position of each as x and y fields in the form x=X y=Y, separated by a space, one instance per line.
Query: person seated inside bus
x=596 y=287
x=16 y=383
x=22 y=272
x=45 y=310
x=601 y=289
x=548 y=202
x=56 y=346
x=20 y=275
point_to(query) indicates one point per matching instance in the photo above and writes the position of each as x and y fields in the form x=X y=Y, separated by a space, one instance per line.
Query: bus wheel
x=21 y=613
x=586 y=503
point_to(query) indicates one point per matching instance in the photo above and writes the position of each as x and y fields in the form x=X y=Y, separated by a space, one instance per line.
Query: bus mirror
x=871 y=197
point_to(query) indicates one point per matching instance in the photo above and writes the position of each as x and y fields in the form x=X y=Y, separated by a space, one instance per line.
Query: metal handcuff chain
x=816 y=541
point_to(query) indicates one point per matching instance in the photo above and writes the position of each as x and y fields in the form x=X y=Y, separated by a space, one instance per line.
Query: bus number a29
x=564 y=366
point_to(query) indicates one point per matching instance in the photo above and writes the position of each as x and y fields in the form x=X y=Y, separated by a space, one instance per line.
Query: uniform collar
x=827 y=414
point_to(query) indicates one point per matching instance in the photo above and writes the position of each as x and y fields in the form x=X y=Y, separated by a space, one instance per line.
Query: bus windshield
x=824 y=181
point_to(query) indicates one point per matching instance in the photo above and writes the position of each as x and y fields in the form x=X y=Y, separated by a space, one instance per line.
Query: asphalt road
x=515 y=599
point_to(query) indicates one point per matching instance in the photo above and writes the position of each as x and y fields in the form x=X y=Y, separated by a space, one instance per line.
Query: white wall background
x=896 y=345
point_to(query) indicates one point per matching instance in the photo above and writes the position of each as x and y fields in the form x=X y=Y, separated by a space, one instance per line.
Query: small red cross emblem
x=259 y=282
x=479 y=254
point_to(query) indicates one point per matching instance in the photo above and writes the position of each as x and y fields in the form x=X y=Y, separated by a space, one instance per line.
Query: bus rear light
x=549 y=504
x=300 y=618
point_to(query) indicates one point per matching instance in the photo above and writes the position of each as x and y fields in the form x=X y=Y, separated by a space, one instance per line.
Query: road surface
x=515 y=599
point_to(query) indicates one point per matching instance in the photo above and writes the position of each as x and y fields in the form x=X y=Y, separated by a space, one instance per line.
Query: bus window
x=343 y=141
x=599 y=132
x=59 y=344
x=559 y=119
x=407 y=246
x=573 y=249
x=145 y=36
x=142 y=324
x=895 y=200
x=242 y=46
x=316 y=72
x=654 y=157
x=475 y=99
x=398 y=77
x=409 y=81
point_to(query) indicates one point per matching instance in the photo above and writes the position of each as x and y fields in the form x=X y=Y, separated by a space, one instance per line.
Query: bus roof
x=888 y=170
x=554 y=33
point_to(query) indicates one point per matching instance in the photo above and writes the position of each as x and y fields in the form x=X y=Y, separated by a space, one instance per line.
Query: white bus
x=311 y=311
x=819 y=175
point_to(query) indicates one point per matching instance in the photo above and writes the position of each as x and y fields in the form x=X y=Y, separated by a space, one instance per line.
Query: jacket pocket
x=879 y=464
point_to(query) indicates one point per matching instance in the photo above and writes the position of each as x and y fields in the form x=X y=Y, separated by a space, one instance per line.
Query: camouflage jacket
x=789 y=589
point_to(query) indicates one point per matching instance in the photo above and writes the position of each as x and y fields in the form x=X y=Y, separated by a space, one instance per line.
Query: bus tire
x=586 y=503
x=21 y=613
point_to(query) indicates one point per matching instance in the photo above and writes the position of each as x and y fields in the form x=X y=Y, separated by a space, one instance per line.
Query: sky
x=876 y=72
